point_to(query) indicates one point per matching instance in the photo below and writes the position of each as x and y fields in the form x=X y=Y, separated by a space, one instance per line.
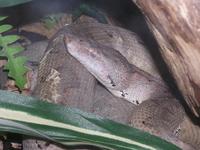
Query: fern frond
x=15 y=65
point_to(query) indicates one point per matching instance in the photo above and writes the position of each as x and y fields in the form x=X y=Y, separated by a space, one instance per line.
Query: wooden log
x=176 y=27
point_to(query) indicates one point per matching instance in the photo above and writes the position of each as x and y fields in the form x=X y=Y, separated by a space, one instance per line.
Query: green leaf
x=17 y=70
x=8 y=39
x=2 y=53
x=15 y=49
x=8 y=3
x=15 y=64
x=5 y=27
x=50 y=21
x=67 y=126
x=88 y=10
x=3 y=17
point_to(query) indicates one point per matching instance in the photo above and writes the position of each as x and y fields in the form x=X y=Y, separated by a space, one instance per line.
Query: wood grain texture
x=176 y=26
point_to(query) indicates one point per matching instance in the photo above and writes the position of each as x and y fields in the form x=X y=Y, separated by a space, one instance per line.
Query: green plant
x=8 y=3
x=85 y=9
x=15 y=65
x=67 y=126
x=50 y=21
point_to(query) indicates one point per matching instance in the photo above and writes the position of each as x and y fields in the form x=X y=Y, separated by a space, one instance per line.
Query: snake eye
x=111 y=81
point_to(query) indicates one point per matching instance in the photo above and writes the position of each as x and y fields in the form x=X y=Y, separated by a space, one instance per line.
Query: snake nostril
x=113 y=85
x=137 y=102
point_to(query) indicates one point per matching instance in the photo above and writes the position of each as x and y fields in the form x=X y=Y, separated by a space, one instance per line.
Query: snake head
x=105 y=63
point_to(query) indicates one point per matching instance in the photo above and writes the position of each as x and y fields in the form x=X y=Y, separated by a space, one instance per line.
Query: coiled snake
x=118 y=59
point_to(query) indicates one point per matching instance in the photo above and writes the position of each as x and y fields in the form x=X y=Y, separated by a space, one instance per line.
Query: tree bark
x=176 y=27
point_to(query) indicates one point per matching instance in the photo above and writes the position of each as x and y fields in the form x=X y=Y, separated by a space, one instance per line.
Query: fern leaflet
x=15 y=65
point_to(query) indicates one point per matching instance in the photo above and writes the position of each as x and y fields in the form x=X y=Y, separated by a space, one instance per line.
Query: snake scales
x=118 y=59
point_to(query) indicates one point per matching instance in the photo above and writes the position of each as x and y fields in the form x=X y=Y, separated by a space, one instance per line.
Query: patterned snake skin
x=161 y=116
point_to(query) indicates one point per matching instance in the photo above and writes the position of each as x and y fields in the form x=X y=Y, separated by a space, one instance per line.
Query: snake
x=118 y=59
